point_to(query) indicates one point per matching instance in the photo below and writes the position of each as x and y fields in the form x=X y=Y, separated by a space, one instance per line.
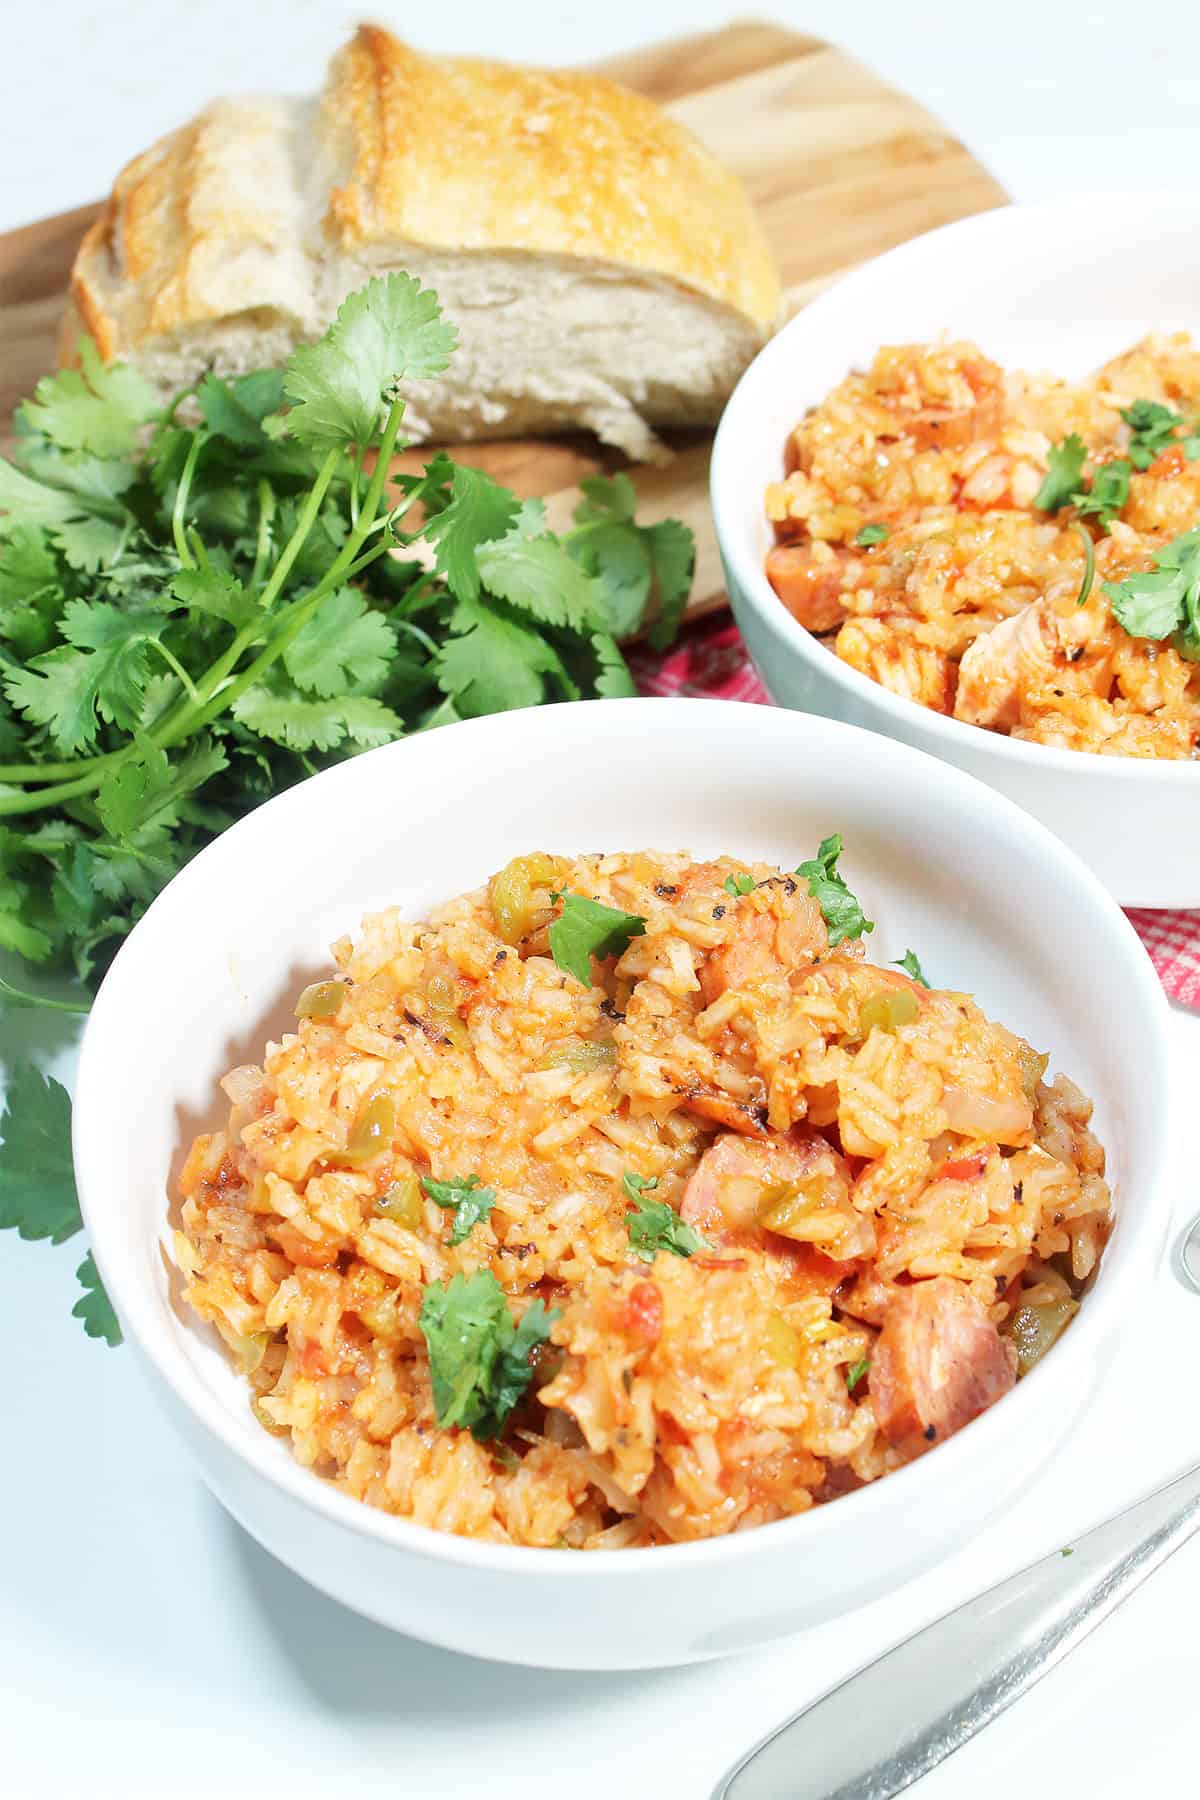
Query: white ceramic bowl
x=988 y=898
x=1058 y=287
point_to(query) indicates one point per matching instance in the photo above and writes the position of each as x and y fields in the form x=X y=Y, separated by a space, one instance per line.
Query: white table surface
x=146 y=1645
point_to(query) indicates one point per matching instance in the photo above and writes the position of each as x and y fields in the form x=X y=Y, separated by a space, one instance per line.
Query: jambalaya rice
x=911 y=538
x=889 y=1211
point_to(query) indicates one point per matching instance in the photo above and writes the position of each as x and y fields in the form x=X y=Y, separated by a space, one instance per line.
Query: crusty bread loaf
x=603 y=270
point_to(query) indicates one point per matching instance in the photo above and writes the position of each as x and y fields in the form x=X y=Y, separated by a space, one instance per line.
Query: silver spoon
x=896 y=1719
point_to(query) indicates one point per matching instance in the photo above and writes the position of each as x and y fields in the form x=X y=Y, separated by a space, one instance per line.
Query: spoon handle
x=896 y=1719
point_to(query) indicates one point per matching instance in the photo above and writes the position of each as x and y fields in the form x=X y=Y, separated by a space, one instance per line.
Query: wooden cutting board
x=839 y=165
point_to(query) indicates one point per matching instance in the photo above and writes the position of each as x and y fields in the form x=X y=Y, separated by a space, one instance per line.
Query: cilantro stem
x=266 y=512
x=301 y=610
x=50 y=796
x=173 y=663
x=355 y=479
x=18 y=997
x=181 y=499
x=1089 y=567
x=365 y=561
x=304 y=524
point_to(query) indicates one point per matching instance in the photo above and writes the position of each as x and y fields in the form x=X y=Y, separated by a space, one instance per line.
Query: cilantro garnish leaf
x=842 y=913
x=1147 y=606
x=1108 y=493
x=585 y=929
x=478 y=1358
x=389 y=331
x=910 y=962
x=94 y=408
x=655 y=1226
x=1151 y=427
x=855 y=1373
x=463 y=1195
x=739 y=884
x=94 y=1306
x=37 y=1180
x=1166 y=598
x=1064 y=474
x=872 y=534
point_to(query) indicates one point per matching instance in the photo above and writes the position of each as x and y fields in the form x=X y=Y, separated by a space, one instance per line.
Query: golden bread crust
x=461 y=154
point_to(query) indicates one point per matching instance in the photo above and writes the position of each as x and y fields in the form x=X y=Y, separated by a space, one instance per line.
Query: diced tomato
x=966 y=1168
x=644 y=1313
x=1170 y=462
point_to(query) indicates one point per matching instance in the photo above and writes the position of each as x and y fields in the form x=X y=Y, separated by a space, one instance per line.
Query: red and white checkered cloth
x=710 y=659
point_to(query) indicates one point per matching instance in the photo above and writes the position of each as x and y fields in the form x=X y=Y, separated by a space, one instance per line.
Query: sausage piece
x=937 y=1364
x=809 y=586
x=737 y=1177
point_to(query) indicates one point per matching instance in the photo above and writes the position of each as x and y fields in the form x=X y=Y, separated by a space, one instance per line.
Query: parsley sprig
x=478 y=1358
x=844 y=917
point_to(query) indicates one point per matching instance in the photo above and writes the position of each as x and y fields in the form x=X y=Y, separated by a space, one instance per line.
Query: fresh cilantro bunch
x=478 y=1359
x=201 y=604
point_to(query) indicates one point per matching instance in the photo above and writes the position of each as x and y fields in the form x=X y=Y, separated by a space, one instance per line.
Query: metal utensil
x=896 y=1719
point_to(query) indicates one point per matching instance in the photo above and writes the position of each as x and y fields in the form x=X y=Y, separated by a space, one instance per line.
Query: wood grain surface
x=839 y=166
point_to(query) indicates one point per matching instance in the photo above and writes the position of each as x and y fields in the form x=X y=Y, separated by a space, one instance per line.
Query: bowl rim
x=142 y=1311
x=747 y=578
